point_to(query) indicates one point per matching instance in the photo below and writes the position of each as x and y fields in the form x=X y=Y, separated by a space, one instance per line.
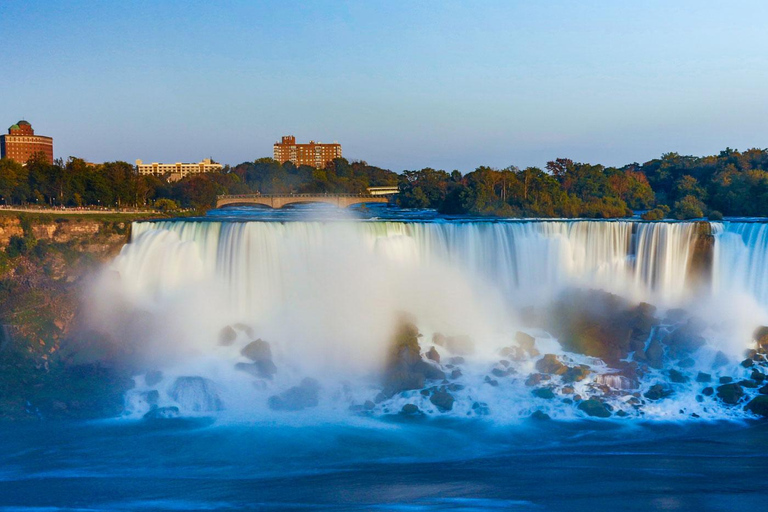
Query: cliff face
x=44 y=264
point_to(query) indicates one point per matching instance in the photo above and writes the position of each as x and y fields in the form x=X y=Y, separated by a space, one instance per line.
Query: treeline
x=731 y=183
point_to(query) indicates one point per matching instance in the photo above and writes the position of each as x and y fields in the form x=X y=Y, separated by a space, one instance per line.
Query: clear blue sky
x=402 y=85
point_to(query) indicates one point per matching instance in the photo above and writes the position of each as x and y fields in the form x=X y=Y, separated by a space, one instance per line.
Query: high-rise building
x=178 y=170
x=21 y=143
x=314 y=154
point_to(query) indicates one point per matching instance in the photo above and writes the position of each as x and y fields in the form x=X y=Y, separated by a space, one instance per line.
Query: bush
x=715 y=215
x=688 y=207
x=655 y=214
x=19 y=246
x=166 y=205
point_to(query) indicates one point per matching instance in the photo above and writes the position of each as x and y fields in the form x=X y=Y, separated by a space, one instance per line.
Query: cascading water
x=326 y=295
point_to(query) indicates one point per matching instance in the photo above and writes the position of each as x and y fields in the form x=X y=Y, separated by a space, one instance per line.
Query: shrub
x=688 y=207
x=655 y=214
x=715 y=215
x=166 y=205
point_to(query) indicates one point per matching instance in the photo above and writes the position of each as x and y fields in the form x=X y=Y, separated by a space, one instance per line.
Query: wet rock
x=492 y=382
x=196 y=394
x=227 y=336
x=677 y=377
x=686 y=339
x=442 y=400
x=757 y=376
x=162 y=413
x=514 y=353
x=540 y=416
x=763 y=390
x=298 y=397
x=545 y=393
x=525 y=341
x=480 y=408
x=500 y=372
x=460 y=345
x=725 y=380
x=730 y=394
x=595 y=408
x=703 y=377
x=433 y=355
x=153 y=378
x=708 y=391
x=257 y=350
x=410 y=410
x=658 y=391
x=535 y=378
x=748 y=383
x=576 y=373
x=654 y=354
x=456 y=360
x=455 y=374
x=675 y=315
x=688 y=362
x=747 y=363
x=761 y=338
x=550 y=364
x=567 y=390
x=368 y=405
x=758 y=405
x=152 y=398
x=405 y=369
x=260 y=369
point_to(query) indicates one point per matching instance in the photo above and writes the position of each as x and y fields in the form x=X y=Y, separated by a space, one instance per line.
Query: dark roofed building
x=21 y=143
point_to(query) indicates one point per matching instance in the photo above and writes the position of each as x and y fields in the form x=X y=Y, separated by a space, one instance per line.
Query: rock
x=550 y=364
x=757 y=376
x=654 y=354
x=227 y=336
x=761 y=338
x=459 y=345
x=708 y=391
x=758 y=405
x=433 y=355
x=368 y=405
x=540 y=416
x=298 y=397
x=196 y=394
x=748 y=383
x=688 y=362
x=747 y=363
x=525 y=341
x=544 y=393
x=703 y=377
x=568 y=390
x=658 y=391
x=257 y=350
x=513 y=353
x=730 y=394
x=247 y=329
x=492 y=382
x=576 y=373
x=152 y=398
x=499 y=372
x=455 y=374
x=534 y=379
x=675 y=315
x=686 y=339
x=763 y=390
x=595 y=408
x=677 y=377
x=480 y=408
x=404 y=368
x=456 y=360
x=442 y=400
x=725 y=380
x=162 y=413
x=260 y=369
x=410 y=410
x=153 y=378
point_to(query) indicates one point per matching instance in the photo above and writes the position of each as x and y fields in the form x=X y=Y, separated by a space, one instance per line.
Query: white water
x=326 y=295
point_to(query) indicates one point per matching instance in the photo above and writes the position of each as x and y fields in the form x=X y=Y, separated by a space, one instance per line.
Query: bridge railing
x=248 y=196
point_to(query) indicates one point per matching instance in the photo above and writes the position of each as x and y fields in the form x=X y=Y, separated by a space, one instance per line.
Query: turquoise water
x=383 y=465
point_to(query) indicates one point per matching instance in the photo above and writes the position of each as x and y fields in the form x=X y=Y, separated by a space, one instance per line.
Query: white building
x=177 y=170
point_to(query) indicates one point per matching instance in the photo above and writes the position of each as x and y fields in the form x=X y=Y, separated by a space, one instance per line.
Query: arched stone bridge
x=278 y=201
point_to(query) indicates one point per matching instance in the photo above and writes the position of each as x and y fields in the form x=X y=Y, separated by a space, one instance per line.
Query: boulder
x=677 y=377
x=227 y=336
x=576 y=373
x=433 y=355
x=545 y=393
x=162 y=413
x=196 y=394
x=703 y=377
x=260 y=369
x=686 y=339
x=410 y=410
x=654 y=354
x=257 y=350
x=720 y=360
x=442 y=400
x=757 y=375
x=514 y=353
x=730 y=394
x=550 y=364
x=747 y=363
x=534 y=379
x=540 y=416
x=758 y=405
x=298 y=397
x=459 y=345
x=595 y=408
x=404 y=368
x=761 y=338
x=525 y=341
x=658 y=391
x=480 y=408
x=763 y=390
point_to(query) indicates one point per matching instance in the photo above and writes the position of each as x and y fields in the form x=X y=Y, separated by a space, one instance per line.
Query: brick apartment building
x=21 y=143
x=314 y=154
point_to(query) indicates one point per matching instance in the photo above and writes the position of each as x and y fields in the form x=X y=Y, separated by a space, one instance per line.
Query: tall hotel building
x=21 y=143
x=314 y=154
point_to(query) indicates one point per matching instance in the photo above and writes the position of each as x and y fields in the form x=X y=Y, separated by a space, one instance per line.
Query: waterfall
x=741 y=260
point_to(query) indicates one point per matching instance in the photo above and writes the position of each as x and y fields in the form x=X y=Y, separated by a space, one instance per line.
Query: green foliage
x=20 y=246
x=166 y=205
x=655 y=214
x=715 y=215
x=688 y=207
